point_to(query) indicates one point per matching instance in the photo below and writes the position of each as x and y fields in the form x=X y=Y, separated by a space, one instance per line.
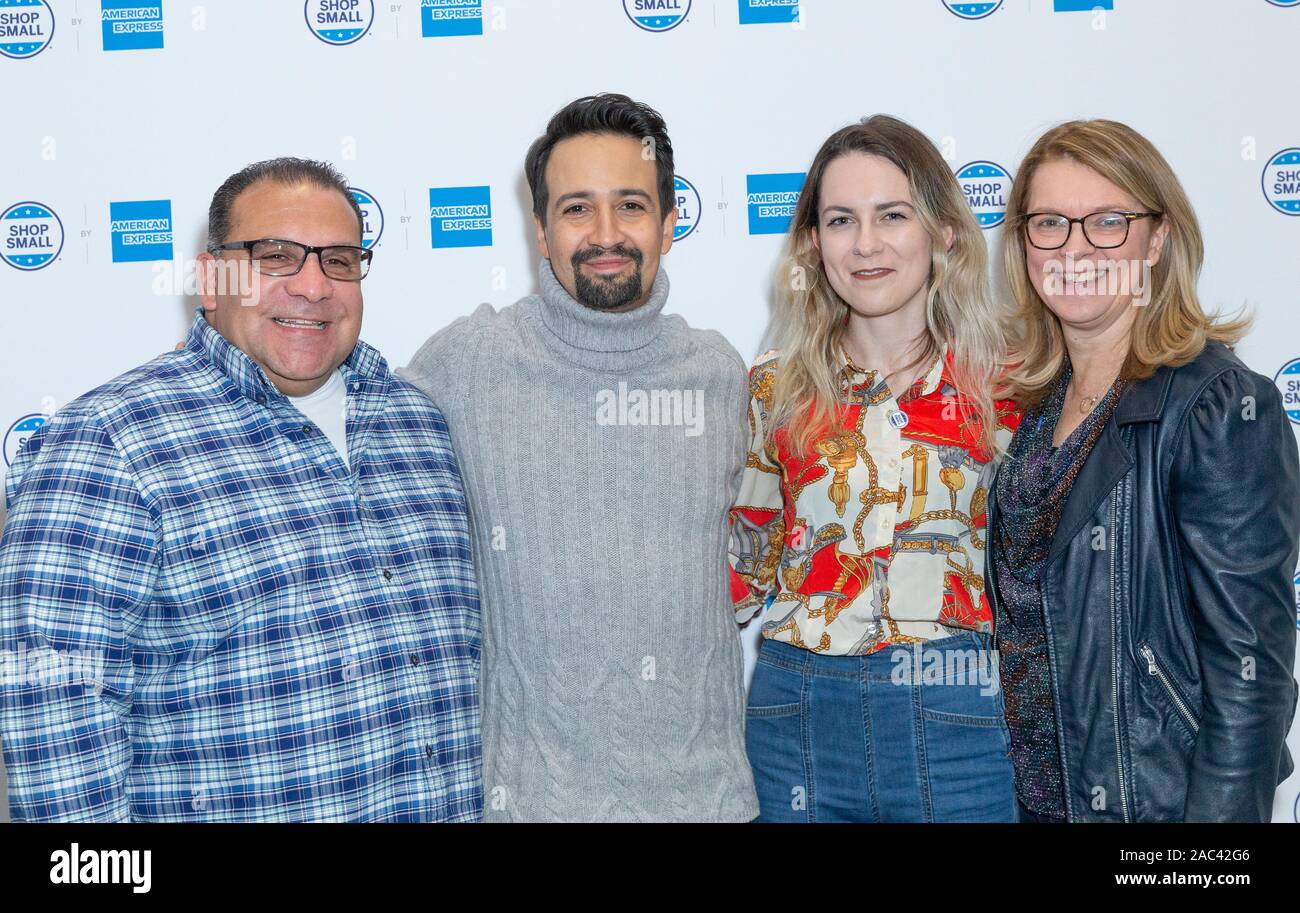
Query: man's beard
x=607 y=294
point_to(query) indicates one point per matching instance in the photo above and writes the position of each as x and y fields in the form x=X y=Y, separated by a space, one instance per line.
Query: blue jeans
x=911 y=733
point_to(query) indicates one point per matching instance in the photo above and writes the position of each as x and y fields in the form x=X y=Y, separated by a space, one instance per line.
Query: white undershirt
x=327 y=407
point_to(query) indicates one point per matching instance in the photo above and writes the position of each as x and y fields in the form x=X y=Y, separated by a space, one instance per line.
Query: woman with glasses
x=861 y=512
x=1143 y=526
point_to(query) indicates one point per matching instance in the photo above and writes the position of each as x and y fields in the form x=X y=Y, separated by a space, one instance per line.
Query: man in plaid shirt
x=236 y=583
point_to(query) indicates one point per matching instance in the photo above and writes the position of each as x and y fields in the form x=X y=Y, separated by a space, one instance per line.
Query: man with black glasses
x=235 y=583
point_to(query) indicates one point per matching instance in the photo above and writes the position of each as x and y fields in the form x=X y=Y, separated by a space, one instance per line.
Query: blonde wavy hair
x=810 y=317
x=1172 y=328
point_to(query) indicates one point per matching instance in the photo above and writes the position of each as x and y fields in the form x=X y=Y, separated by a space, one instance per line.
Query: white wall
x=1209 y=81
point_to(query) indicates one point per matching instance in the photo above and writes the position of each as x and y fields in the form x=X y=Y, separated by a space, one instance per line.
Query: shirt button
x=306 y=429
x=415 y=660
x=388 y=575
x=428 y=751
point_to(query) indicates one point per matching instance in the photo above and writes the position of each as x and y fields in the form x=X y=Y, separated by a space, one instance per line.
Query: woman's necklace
x=1087 y=403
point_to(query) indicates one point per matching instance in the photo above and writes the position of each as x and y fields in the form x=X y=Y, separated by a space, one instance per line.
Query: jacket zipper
x=1114 y=653
x=1153 y=668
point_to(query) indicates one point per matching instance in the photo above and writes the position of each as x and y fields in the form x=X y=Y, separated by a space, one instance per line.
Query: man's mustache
x=618 y=250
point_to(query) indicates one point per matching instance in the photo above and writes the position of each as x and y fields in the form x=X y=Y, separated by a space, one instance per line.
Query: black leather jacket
x=1168 y=601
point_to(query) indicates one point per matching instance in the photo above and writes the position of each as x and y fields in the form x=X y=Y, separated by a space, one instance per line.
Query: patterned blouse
x=877 y=537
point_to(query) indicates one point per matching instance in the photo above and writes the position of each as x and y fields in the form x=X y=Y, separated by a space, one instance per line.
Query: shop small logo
x=1281 y=182
x=131 y=25
x=339 y=22
x=1285 y=4
x=141 y=230
x=985 y=185
x=657 y=15
x=772 y=199
x=973 y=10
x=18 y=433
x=1288 y=384
x=32 y=236
x=758 y=12
x=460 y=216
x=687 y=199
x=26 y=27
x=447 y=18
x=372 y=217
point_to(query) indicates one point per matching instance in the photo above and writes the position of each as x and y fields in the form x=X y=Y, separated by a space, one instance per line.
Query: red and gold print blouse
x=877 y=536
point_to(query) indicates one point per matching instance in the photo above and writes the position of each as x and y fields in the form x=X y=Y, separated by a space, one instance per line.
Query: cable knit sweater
x=611 y=681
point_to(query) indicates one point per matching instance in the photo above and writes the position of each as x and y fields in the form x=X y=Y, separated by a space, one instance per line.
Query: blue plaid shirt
x=206 y=615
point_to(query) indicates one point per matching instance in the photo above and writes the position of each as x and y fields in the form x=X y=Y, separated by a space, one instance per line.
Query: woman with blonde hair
x=861 y=512
x=1144 y=523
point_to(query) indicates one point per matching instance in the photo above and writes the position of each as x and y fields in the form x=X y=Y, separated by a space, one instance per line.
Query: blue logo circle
x=27 y=27
x=339 y=22
x=1283 y=193
x=970 y=10
x=689 y=208
x=372 y=217
x=1288 y=384
x=31 y=236
x=1285 y=3
x=986 y=185
x=657 y=15
x=18 y=433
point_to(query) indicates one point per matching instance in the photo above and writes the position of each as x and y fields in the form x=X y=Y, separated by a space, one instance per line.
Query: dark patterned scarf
x=1032 y=486
x=1035 y=479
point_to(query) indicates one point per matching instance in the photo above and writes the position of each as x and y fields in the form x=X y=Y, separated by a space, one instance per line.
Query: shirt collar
x=938 y=374
x=364 y=367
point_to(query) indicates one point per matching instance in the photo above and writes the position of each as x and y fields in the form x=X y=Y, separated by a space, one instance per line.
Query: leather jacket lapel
x=1109 y=460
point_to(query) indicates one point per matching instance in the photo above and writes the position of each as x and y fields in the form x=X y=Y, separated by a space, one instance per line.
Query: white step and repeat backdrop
x=121 y=117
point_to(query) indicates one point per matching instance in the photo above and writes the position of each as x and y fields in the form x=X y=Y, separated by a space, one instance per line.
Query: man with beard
x=601 y=442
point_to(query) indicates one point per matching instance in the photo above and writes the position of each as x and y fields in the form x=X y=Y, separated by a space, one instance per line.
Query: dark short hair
x=608 y=113
x=284 y=170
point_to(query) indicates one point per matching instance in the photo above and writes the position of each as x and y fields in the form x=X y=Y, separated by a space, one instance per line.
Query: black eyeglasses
x=275 y=257
x=1104 y=230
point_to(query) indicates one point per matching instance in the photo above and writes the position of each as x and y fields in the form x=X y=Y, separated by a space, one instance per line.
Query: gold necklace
x=1087 y=403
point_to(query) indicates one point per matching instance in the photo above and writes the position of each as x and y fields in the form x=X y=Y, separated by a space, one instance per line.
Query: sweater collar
x=591 y=330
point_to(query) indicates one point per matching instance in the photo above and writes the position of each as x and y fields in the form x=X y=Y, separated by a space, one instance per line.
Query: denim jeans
x=910 y=733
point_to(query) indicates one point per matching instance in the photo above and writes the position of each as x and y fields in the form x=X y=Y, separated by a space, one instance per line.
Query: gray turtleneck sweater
x=601 y=453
